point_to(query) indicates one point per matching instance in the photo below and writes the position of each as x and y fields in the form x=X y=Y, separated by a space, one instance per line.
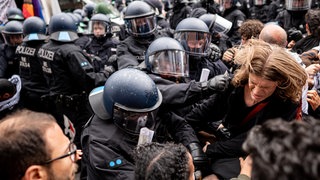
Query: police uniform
x=70 y=77
x=34 y=84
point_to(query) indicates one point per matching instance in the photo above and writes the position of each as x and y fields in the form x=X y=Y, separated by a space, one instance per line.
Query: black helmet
x=62 y=28
x=298 y=5
x=194 y=35
x=156 y=5
x=34 y=28
x=14 y=14
x=88 y=10
x=166 y=56
x=12 y=29
x=103 y=20
x=140 y=19
x=127 y=96
x=216 y=23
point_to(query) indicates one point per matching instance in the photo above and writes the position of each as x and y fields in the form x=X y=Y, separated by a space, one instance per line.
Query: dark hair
x=22 y=142
x=312 y=18
x=156 y=161
x=285 y=150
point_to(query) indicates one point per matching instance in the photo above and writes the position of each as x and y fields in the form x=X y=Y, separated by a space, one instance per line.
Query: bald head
x=274 y=34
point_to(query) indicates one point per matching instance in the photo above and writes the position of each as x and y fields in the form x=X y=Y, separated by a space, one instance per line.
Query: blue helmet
x=128 y=89
x=194 y=36
x=14 y=14
x=34 y=28
x=62 y=28
x=166 y=56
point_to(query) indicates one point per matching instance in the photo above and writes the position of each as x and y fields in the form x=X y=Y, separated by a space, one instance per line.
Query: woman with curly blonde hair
x=267 y=85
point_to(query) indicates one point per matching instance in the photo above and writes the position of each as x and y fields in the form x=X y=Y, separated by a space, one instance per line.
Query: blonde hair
x=273 y=63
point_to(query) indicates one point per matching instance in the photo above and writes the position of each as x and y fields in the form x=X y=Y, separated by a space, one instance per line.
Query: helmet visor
x=298 y=5
x=132 y=122
x=259 y=2
x=221 y=25
x=141 y=26
x=195 y=43
x=12 y=39
x=170 y=63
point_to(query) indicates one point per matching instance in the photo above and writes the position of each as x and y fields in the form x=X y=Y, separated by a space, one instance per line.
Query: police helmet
x=166 y=56
x=194 y=36
x=62 y=28
x=140 y=19
x=100 y=19
x=298 y=5
x=12 y=33
x=127 y=97
x=156 y=5
x=216 y=23
x=34 y=28
x=14 y=14
x=88 y=10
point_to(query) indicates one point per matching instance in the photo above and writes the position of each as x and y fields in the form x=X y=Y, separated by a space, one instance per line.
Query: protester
x=267 y=85
x=33 y=146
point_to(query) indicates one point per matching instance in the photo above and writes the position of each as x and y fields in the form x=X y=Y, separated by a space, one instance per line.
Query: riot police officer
x=99 y=45
x=195 y=37
x=68 y=73
x=34 y=84
x=294 y=15
x=234 y=15
x=120 y=112
x=14 y=14
x=180 y=11
x=9 y=63
x=141 y=24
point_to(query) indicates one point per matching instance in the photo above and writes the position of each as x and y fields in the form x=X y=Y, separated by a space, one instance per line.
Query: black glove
x=294 y=34
x=200 y=159
x=219 y=82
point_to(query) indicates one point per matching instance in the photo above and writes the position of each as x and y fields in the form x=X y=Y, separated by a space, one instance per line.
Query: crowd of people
x=180 y=90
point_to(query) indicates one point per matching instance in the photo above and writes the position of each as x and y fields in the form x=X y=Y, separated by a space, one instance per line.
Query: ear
x=35 y=172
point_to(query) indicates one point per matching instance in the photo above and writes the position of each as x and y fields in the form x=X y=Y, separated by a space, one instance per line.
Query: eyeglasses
x=72 y=153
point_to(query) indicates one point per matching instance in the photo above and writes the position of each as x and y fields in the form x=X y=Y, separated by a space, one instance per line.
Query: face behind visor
x=170 y=63
x=141 y=26
x=195 y=43
x=130 y=121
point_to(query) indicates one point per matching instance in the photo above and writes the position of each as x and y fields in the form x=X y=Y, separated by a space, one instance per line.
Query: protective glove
x=219 y=82
x=200 y=159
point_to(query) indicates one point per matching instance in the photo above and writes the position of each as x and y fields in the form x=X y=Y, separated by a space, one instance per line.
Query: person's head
x=312 y=18
x=101 y=25
x=298 y=5
x=33 y=146
x=34 y=29
x=62 y=28
x=194 y=36
x=156 y=161
x=12 y=33
x=250 y=29
x=227 y=4
x=128 y=97
x=140 y=19
x=7 y=89
x=274 y=34
x=269 y=70
x=88 y=10
x=284 y=150
x=166 y=57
